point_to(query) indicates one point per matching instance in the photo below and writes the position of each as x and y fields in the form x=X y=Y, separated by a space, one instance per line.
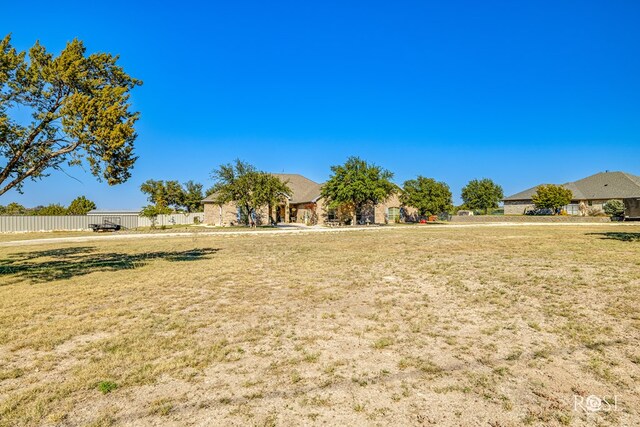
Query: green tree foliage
x=80 y=206
x=171 y=194
x=614 y=208
x=250 y=189
x=192 y=197
x=357 y=184
x=152 y=212
x=52 y=209
x=482 y=195
x=427 y=195
x=165 y=194
x=79 y=107
x=13 y=209
x=551 y=197
x=269 y=191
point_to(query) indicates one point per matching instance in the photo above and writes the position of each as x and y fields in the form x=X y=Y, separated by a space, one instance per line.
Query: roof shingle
x=303 y=189
x=601 y=186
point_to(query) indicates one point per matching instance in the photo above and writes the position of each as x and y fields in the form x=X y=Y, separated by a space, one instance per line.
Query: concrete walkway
x=298 y=230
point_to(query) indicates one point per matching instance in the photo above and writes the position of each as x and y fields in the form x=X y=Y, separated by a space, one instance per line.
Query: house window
x=393 y=214
x=590 y=202
x=572 y=209
x=332 y=215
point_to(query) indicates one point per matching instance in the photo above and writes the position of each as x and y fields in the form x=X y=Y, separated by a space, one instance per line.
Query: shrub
x=614 y=208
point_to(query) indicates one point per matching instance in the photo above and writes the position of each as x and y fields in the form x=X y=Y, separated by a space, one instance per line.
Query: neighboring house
x=592 y=192
x=304 y=205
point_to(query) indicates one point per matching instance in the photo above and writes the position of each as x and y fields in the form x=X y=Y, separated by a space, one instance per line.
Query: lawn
x=499 y=326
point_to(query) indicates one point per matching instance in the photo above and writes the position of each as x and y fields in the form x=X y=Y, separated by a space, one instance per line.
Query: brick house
x=305 y=205
x=592 y=192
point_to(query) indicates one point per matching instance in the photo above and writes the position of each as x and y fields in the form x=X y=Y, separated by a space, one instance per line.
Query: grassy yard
x=11 y=237
x=499 y=326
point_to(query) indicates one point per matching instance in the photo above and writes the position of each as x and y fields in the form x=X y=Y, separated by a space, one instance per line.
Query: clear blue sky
x=521 y=92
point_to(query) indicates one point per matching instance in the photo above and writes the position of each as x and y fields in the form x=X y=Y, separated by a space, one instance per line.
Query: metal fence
x=21 y=223
x=172 y=219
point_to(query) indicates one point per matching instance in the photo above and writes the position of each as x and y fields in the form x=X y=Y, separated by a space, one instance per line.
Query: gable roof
x=603 y=186
x=303 y=190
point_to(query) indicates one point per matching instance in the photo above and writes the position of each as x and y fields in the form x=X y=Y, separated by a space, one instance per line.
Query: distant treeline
x=79 y=206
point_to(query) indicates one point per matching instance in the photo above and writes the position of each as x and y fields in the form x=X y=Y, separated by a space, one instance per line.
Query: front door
x=280 y=214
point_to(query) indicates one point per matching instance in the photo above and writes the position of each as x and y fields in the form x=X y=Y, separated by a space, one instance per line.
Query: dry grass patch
x=448 y=326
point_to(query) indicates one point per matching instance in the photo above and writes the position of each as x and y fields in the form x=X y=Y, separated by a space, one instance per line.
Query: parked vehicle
x=105 y=226
x=543 y=211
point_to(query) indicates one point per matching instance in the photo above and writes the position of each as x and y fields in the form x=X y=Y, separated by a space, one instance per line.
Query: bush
x=614 y=208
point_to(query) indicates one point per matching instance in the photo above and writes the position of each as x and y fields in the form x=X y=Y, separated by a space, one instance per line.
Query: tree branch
x=29 y=140
x=42 y=163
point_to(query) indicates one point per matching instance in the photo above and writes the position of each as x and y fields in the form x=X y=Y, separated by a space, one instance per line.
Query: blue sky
x=521 y=92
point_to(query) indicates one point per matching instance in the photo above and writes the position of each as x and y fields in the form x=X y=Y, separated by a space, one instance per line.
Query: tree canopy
x=152 y=212
x=357 y=183
x=427 y=195
x=80 y=206
x=164 y=194
x=482 y=195
x=79 y=108
x=13 y=208
x=247 y=187
x=54 y=209
x=192 y=197
x=171 y=196
x=551 y=197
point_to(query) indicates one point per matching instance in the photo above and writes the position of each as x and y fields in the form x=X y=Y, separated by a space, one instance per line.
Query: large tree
x=551 y=197
x=247 y=187
x=192 y=197
x=164 y=194
x=54 y=209
x=80 y=206
x=357 y=184
x=185 y=198
x=270 y=190
x=482 y=194
x=13 y=208
x=427 y=195
x=79 y=108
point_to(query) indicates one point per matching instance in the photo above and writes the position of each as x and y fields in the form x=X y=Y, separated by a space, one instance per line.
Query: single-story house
x=590 y=193
x=305 y=205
